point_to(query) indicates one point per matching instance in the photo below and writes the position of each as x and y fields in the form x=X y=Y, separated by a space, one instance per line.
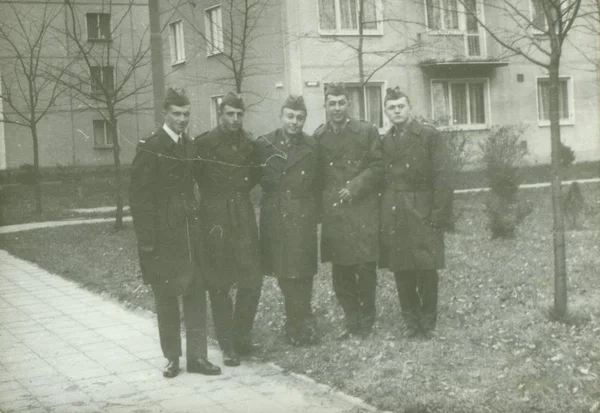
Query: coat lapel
x=398 y=146
x=298 y=152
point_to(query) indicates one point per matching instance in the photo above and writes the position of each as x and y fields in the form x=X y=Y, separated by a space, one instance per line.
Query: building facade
x=454 y=71
x=75 y=130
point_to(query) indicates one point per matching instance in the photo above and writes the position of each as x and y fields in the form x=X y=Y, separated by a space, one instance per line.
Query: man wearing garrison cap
x=416 y=195
x=352 y=170
x=228 y=168
x=165 y=217
x=288 y=216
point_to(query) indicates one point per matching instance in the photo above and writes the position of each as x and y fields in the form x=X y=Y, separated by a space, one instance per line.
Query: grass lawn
x=17 y=202
x=495 y=350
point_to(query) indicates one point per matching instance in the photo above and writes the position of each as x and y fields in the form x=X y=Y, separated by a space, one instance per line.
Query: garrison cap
x=176 y=97
x=295 y=102
x=395 y=94
x=232 y=99
x=336 y=89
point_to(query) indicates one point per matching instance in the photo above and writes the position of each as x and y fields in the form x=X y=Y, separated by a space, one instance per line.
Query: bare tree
x=28 y=82
x=110 y=74
x=368 y=18
x=231 y=36
x=537 y=32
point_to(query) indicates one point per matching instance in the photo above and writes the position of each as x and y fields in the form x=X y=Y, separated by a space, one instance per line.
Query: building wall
x=66 y=133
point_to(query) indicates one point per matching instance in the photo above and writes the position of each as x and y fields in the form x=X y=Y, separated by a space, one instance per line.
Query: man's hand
x=345 y=195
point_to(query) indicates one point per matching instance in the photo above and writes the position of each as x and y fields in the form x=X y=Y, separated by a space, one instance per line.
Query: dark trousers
x=233 y=322
x=297 y=294
x=418 y=294
x=354 y=287
x=169 y=322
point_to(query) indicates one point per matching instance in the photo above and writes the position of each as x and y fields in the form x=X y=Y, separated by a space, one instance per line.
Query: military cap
x=336 y=89
x=232 y=99
x=176 y=97
x=395 y=94
x=295 y=102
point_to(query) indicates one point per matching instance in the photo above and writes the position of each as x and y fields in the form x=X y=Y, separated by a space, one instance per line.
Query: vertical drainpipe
x=2 y=143
x=291 y=34
x=158 y=72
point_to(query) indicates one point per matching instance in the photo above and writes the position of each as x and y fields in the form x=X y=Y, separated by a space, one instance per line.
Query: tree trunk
x=37 y=185
x=560 y=267
x=118 y=177
x=361 y=64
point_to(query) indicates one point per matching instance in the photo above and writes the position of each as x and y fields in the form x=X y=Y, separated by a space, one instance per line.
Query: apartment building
x=453 y=70
x=75 y=130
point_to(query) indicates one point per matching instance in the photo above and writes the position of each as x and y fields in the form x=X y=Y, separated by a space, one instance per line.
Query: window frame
x=570 y=120
x=486 y=99
x=94 y=89
x=215 y=101
x=338 y=31
x=176 y=32
x=213 y=47
x=105 y=128
x=460 y=20
x=98 y=27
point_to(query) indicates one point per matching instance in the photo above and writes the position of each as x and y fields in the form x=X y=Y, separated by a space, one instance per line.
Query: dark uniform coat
x=417 y=191
x=289 y=209
x=228 y=169
x=350 y=159
x=164 y=210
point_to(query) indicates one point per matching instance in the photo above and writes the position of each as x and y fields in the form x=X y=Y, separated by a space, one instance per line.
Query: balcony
x=455 y=49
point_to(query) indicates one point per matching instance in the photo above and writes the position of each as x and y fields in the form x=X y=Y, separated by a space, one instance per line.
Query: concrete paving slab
x=91 y=355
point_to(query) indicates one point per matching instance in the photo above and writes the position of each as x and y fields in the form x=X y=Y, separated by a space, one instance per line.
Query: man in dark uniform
x=350 y=153
x=289 y=216
x=417 y=192
x=164 y=216
x=228 y=168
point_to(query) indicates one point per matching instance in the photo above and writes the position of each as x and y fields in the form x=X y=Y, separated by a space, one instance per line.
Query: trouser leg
x=297 y=293
x=406 y=283
x=367 y=285
x=428 y=290
x=194 y=316
x=246 y=304
x=345 y=286
x=221 y=305
x=167 y=313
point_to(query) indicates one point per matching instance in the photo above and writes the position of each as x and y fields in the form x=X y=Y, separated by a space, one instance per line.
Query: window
x=104 y=134
x=564 y=101
x=98 y=26
x=214 y=30
x=462 y=103
x=215 y=101
x=538 y=14
x=442 y=14
x=102 y=78
x=371 y=105
x=177 y=42
x=342 y=16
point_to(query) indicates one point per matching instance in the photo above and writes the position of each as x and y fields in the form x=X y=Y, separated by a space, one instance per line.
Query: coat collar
x=300 y=148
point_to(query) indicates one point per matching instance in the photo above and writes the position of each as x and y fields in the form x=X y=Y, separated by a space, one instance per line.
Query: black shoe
x=203 y=366
x=246 y=348
x=171 y=369
x=231 y=359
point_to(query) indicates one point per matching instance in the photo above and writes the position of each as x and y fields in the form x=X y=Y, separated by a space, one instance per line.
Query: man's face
x=337 y=108
x=177 y=118
x=232 y=119
x=398 y=111
x=292 y=121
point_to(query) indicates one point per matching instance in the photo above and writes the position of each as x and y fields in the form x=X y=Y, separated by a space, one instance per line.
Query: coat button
x=394 y=208
x=283 y=173
x=302 y=173
x=330 y=163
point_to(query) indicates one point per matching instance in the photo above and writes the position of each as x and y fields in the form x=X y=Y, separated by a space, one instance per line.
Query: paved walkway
x=7 y=229
x=64 y=349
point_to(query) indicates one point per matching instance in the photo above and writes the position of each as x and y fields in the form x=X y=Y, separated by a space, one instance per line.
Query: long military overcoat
x=164 y=211
x=289 y=208
x=417 y=191
x=227 y=170
x=351 y=159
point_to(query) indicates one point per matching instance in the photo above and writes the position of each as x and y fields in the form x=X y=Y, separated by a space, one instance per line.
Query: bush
x=567 y=155
x=502 y=155
x=69 y=173
x=26 y=175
